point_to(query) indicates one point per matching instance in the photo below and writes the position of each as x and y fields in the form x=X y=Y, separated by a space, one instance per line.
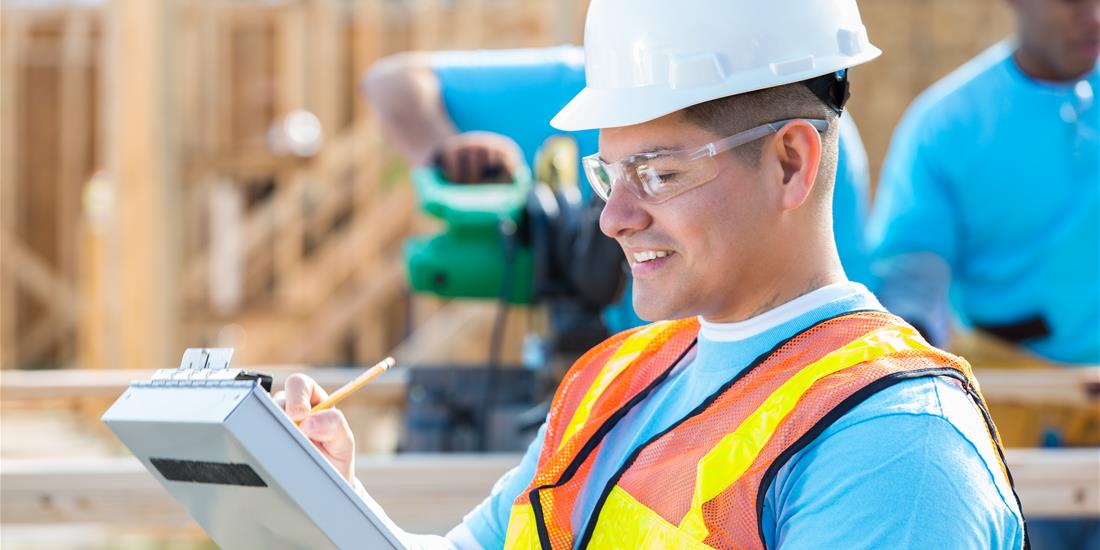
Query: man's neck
x=778 y=293
x=1032 y=63
x=779 y=298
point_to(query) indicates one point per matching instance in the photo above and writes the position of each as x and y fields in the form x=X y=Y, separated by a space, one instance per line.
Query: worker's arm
x=484 y=527
x=915 y=229
x=407 y=97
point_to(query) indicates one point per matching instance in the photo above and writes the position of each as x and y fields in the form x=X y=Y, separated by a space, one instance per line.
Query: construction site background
x=188 y=173
x=148 y=204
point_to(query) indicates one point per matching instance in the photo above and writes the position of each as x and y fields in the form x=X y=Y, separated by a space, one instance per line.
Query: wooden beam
x=290 y=60
x=43 y=335
x=421 y=493
x=43 y=388
x=97 y=333
x=367 y=46
x=369 y=235
x=1057 y=483
x=35 y=275
x=41 y=11
x=291 y=90
x=339 y=153
x=97 y=342
x=427 y=24
x=435 y=338
x=327 y=48
x=75 y=144
x=143 y=163
x=387 y=277
x=226 y=207
x=23 y=388
x=13 y=38
x=1071 y=386
x=470 y=24
x=426 y=493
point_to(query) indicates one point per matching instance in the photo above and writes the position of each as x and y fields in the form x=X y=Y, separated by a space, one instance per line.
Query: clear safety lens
x=598 y=176
x=650 y=177
x=657 y=177
x=661 y=177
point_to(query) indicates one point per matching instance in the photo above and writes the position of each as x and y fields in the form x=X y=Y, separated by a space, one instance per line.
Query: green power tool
x=479 y=254
x=531 y=240
x=526 y=241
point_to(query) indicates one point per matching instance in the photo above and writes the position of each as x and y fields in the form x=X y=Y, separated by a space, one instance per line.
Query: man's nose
x=623 y=214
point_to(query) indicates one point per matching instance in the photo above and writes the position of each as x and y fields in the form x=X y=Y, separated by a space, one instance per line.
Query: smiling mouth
x=649 y=255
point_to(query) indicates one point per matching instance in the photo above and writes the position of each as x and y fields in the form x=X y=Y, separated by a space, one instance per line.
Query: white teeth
x=648 y=255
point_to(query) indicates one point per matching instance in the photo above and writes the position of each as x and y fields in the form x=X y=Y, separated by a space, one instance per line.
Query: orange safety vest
x=701 y=483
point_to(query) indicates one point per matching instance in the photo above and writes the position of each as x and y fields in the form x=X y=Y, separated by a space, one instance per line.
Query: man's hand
x=328 y=429
x=478 y=157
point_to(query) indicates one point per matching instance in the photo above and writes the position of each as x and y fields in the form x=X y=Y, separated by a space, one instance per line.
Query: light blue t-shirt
x=998 y=176
x=910 y=467
x=517 y=92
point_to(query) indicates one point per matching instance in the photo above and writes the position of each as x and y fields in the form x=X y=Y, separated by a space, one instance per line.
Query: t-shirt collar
x=741 y=330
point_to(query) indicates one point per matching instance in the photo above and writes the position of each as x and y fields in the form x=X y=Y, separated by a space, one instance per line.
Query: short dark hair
x=728 y=115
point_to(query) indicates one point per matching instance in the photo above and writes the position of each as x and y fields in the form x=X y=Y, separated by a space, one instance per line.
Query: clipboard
x=214 y=438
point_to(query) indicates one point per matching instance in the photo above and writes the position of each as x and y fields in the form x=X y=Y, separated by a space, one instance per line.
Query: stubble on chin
x=649 y=304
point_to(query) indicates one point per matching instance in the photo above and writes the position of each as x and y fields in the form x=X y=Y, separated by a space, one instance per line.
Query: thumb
x=330 y=431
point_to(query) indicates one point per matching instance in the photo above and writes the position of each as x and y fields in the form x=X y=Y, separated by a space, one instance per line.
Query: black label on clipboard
x=197 y=471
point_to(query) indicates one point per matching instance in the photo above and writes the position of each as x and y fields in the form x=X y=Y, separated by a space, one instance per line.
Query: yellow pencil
x=351 y=387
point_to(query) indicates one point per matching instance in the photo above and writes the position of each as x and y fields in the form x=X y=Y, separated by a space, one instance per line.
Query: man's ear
x=798 y=149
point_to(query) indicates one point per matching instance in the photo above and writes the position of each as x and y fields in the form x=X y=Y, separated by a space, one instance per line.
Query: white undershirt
x=741 y=330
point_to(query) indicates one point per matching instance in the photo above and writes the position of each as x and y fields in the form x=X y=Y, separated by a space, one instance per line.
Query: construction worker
x=482 y=112
x=988 y=210
x=991 y=190
x=784 y=408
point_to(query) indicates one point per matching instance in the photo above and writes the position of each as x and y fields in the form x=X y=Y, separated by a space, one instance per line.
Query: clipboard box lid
x=213 y=437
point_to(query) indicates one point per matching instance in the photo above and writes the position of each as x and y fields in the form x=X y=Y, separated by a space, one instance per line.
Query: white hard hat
x=647 y=58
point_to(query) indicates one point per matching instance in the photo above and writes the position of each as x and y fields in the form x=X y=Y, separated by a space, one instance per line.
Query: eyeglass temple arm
x=819 y=124
x=754 y=134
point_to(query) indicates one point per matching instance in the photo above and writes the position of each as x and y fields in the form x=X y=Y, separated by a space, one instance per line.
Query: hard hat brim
x=595 y=108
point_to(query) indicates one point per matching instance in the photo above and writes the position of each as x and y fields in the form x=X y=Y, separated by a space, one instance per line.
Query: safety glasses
x=657 y=177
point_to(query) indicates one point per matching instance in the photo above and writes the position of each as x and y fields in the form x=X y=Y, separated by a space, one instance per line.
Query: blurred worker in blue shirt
x=990 y=201
x=453 y=109
x=990 y=194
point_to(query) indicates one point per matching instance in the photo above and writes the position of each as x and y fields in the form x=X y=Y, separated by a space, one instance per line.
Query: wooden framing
x=46 y=388
x=75 y=108
x=309 y=55
x=367 y=46
x=122 y=493
x=143 y=163
x=23 y=388
x=188 y=105
x=427 y=493
x=12 y=43
x=31 y=273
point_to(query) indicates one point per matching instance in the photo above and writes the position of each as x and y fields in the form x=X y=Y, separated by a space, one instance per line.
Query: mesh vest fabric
x=701 y=482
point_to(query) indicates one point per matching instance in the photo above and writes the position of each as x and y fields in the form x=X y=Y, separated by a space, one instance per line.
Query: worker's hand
x=478 y=157
x=328 y=429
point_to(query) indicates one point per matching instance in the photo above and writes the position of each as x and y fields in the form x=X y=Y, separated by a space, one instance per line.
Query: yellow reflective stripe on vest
x=522 y=532
x=634 y=525
x=623 y=357
x=734 y=453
